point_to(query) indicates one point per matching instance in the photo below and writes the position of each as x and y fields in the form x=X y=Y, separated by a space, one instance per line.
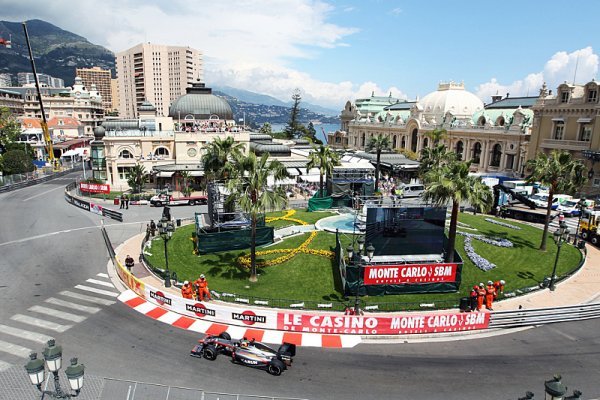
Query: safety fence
x=542 y=316
x=18 y=181
x=117 y=389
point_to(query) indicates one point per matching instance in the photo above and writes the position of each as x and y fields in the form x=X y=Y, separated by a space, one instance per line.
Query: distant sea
x=326 y=127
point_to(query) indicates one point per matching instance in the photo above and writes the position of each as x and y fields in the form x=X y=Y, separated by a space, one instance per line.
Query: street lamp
x=166 y=228
x=354 y=257
x=53 y=356
x=560 y=236
x=581 y=205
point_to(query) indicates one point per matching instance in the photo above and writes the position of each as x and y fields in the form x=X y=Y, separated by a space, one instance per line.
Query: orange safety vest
x=202 y=283
x=186 y=291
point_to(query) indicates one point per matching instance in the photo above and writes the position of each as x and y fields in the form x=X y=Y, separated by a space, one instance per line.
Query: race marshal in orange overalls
x=490 y=292
x=480 y=296
x=186 y=290
x=499 y=286
x=202 y=285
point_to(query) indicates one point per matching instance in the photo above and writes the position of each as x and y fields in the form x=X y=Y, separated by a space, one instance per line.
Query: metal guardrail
x=31 y=182
x=542 y=316
x=114 y=389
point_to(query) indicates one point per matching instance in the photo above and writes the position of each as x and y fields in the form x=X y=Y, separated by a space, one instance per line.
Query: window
x=161 y=151
x=477 y=153
x=510 y=161
x=403 y=143
x=459 y=150
x=363 y=140
x=413 y=140
x=123 y=172
x=425 y=142
x=394 y=142
x=592 y=96
x=496 y=154
x=125 y=154
x=564 y=97
x=559 y=129
x=500 y=121
x=481 y=121
x=585 y=133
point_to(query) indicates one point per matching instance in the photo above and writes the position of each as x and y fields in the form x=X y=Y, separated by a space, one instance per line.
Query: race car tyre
x=275 y=367
x=210 y=352
x=225 y=335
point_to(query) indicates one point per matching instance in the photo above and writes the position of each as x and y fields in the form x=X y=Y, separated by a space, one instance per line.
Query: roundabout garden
x=301 y=268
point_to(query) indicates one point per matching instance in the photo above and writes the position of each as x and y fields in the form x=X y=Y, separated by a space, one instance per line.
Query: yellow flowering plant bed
x=288 y=254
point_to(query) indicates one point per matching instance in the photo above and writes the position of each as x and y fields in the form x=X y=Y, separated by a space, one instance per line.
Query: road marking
x=22 y=333
x=99 y=291
x=58 y=314
x=43 y=193
x=102 y=283
x=14 y=349
x=91 y=299
x=574 y=339
x=102 y=274
x=4 y=366
x=40 y=323
x=74 y=306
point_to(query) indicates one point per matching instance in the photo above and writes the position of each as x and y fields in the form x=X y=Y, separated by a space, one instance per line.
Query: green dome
x=201 y=103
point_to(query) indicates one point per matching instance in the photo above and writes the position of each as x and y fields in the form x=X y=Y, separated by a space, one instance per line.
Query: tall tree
x=16 y=162
x=452 y=183
x=10 y=129
x=266 y=128
x=560 y=173
x=185 y=176
x=324 y=158
x=137 y=178
x=434 y=157
x=218 y=156
x=378 y=143
x=248 y=189
x=293 y=126
x=436 y=135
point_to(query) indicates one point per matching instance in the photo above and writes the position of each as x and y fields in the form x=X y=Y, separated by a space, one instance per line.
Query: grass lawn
x=314 y=278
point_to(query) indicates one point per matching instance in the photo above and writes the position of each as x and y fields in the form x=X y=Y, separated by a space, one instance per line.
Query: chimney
x=496 y=98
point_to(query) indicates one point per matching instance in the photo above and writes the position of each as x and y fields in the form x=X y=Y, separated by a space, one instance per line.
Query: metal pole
x=559 y=244
x=167 y=273
x=357 y=299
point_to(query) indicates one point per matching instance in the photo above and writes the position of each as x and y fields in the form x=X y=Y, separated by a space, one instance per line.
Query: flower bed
x=493 y=221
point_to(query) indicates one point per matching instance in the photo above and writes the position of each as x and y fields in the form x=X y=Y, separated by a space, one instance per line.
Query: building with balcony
x=155 y=73
x=569 y=120
x=77 y=102
x=164 y=145
x=495 y=136
x=101 y=78
x=27 y=78
x=13 y=101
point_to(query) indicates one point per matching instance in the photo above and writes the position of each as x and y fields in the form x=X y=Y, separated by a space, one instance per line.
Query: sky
x=335 y=51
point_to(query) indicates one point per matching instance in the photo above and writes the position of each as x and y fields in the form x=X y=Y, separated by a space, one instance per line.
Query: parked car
x=412 y=189
x=541 y=199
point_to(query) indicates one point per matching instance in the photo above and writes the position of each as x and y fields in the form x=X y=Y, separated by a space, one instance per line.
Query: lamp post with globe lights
x=560 y=236
x=36 y=369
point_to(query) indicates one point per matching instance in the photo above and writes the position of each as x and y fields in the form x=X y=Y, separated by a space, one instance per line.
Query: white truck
x=169 y=200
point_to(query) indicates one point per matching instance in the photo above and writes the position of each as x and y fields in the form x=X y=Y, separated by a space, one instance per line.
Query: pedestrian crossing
x=570 y=222
x=30 y=330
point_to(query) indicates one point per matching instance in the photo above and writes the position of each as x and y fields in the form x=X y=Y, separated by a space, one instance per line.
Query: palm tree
x=560 y=173
x=324 y=158
x=218 y=155
x=378 y=143
x=248 y=189
x=434 y=157
x=452 y=182
x=137 y=178
x=185 y=187
x=436 y=135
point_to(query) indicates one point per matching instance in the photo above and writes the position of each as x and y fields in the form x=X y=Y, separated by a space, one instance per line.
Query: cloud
x=280 y=82
x=560 y=68
x=396 y=11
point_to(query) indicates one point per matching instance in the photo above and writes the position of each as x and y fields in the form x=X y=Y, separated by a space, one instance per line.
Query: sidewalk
x=580 y=288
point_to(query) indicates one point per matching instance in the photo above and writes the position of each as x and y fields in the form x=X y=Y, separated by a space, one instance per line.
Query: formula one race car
x=246 y=352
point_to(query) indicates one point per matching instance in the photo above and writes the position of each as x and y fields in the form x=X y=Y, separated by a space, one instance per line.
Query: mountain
x=56 y=52
x=263 y=99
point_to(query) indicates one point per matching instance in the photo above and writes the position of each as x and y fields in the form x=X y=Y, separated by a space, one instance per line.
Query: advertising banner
x=94 y=187
x=131 y=281
x=213 y=312
x=81 y=204
x=380 y=325
x=96 y=208
x=409 y=273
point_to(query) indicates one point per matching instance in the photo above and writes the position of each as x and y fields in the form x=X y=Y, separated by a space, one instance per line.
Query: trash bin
x=116 y=201
x=465 y=304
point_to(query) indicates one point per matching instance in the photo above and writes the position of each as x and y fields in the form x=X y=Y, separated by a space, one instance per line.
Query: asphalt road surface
x=53 y=263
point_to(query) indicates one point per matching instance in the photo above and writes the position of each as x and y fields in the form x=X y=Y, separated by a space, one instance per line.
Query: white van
x=541 y=199
x=570 y=208
x=412 y=189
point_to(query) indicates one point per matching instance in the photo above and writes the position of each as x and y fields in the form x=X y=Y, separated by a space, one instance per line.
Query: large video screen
x=406 y=230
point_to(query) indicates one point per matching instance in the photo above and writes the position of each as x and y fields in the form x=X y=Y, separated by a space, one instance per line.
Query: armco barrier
x=302 y=321
x=89 y=206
